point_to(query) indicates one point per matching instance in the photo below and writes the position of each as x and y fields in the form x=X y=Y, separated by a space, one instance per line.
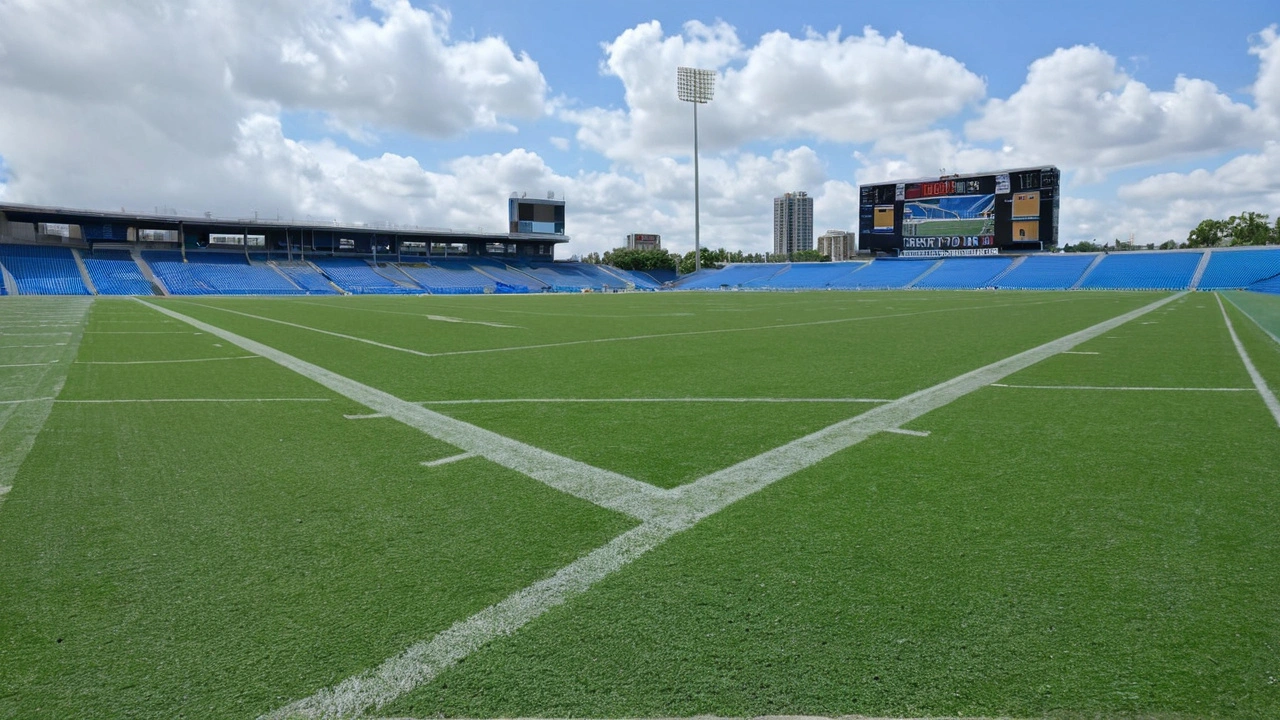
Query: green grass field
x=898 y=504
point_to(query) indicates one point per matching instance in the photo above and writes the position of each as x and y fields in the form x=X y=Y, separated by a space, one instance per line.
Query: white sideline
x=499 y=401
x=189 y=400
x=163 y=362
x=629 y=338
x=602 y=487
x=1259 y=382
x=1123 y=388
x=423 y=660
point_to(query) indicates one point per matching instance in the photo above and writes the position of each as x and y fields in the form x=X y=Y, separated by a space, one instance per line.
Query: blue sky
x=431 y=114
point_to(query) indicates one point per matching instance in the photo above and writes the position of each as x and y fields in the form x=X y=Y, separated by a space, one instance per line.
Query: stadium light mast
x=695 y=86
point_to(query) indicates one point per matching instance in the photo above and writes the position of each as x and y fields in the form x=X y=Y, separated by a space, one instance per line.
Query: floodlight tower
x=695 y=86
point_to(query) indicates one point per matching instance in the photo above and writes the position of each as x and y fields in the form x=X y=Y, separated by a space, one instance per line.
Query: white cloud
x=1078 y=110
x=1266 y=90
x=828 y=87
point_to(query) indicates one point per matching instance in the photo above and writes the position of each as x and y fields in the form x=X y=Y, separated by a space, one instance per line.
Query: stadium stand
x=1143 y=271
x=965 y=273
x=358 y=278
x=730 y=276
x=40 y=270
x=1230 y=269
x=812 y=276
x=883 y=275
x=114 y=272
x=449 y=278
x=574 y=277
x=642 y=280
x=1270 y=285
x=1046 y=272
x=217 y=274
x=509 y=279
x=305 y=276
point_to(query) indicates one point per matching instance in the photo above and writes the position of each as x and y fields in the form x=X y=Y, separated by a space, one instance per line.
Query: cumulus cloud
x=820 y=86
x=1078 y=109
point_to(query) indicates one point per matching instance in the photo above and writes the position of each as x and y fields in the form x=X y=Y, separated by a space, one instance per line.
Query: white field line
x=602 y=487
x=20 y=423
x=913 y=433
x=1254 y=321
x=1079 y=352
x=447 y=460
x=1268 y=397
x=438 y=318
x=499 y=401
x=163 y=362
x=25 y=400
x=366 y=416
x=39 y=364
x=9 y=347
x=1123 y=388
x=189 y=400
x=629 y=338
x=33 y=334
x=423 y=660
x=139 y=332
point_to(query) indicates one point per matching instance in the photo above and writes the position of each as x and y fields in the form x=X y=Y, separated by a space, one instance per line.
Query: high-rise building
x=792 y=223
x=838 y=245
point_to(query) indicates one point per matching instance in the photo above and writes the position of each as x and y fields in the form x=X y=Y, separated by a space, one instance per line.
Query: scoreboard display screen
x=980 y=214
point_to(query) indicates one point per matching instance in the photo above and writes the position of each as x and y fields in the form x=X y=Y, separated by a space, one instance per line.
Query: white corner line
x=904 y=431
x=447 y=460
x=1268 y=397
x=424 y=660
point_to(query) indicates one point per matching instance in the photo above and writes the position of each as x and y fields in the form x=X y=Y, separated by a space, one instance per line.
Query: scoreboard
x=980 y=214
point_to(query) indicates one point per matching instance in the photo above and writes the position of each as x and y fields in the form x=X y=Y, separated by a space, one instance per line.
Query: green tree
x=809 y=256
x=1248 y=228
x=1168 y=245
x=711 y=259
x=1209 y=233
x=655 y=259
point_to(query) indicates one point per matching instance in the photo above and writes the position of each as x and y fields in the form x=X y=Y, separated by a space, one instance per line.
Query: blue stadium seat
x=965 y=273
x=1270 y=285
x=811 y=276
x=1230 y=269
x=737 y=275
x=216 y=274
x=41 y=270
x=359 y=278
x=1046 y=272
x=884 y=274
x=1144 y=271
x=445 y=278
x=115 y=273
x=306 y=277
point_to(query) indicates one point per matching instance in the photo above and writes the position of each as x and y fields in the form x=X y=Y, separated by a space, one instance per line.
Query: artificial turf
x=1062 y=552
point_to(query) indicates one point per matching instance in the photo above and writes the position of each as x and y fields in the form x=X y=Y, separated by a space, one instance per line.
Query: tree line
x=1247 y=228
x=658 y=259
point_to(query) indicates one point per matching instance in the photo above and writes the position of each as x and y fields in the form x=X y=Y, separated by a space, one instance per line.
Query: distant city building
x=644 y=241
x=792 y=223
x=838 y=245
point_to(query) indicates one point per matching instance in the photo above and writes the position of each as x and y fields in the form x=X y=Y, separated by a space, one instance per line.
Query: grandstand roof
x=157 y=221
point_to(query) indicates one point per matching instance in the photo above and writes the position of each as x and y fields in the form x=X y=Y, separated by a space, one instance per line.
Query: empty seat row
x=40 y=270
